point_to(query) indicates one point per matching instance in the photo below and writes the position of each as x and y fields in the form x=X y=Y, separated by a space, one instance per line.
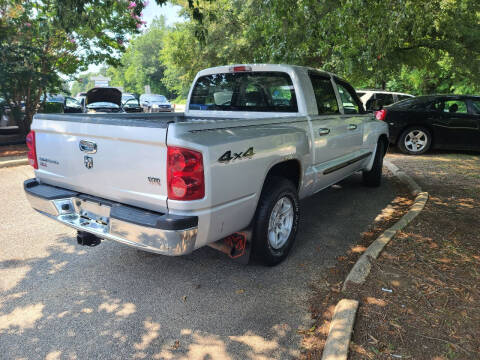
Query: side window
x=386 y=99
x=455 y=107
x=403 y=97
x=71 y=102
x=324 y=95
x=476 y=107
x=349 y=101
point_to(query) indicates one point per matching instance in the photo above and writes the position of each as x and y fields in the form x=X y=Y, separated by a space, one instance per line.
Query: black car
x=132 y=105
x=60 y=104
x=437 y=121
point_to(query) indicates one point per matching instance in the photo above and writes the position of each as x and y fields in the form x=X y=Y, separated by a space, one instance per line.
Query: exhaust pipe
x=86 y=239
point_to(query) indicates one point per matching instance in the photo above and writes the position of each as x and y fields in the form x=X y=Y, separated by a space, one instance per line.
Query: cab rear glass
x=245 y=91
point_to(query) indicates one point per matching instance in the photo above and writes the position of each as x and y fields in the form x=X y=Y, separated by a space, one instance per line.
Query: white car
x=155 y=103
x=370 y=98
x=228 y=173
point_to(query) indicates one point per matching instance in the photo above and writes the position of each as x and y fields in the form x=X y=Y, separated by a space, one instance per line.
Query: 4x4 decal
x=228 y=156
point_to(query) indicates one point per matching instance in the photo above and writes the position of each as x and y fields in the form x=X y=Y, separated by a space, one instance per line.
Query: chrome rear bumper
x=150 y=231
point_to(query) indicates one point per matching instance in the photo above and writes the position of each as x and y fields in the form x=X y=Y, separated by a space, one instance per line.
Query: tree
x=41 y=41
x=83 y=83
x=141 y=64
x=370 y=42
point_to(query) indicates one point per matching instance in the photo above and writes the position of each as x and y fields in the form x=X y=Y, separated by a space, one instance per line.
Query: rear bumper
x=150 y=231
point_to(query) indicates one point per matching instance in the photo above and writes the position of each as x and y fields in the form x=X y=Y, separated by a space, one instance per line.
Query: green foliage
x=141 y=64
x=43 y=41
x=408 y=45
x=83 y=83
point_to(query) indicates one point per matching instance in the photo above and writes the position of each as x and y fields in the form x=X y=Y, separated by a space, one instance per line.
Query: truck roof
x=259 y=67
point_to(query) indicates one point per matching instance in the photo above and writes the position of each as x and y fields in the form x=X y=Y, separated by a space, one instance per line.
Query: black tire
x=274 y=189
x=401 y=140
x=373 y=178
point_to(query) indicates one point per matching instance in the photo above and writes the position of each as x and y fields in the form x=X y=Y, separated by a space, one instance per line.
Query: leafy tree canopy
x=141 y=64
x=42 y=42
x=415 y=45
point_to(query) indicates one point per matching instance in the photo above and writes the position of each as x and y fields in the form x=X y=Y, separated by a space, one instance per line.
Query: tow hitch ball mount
x=87 y=239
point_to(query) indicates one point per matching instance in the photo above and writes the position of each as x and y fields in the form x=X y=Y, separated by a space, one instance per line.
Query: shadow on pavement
x=112 y=301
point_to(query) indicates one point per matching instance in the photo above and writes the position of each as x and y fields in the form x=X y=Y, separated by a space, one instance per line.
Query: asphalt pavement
x=59 y=300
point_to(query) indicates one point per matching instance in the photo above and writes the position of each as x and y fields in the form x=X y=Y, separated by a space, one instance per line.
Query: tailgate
x=123 y=163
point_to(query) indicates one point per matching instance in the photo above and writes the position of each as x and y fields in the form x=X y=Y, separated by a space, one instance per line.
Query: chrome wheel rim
x=416 y=140
x=280 y=223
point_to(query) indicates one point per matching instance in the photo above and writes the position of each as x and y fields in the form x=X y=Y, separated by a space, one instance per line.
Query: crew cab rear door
x=352 y=114
x=335 y=136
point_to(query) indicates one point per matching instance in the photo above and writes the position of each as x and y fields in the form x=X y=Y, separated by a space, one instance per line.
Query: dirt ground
x=422 y=298
x=13 y=150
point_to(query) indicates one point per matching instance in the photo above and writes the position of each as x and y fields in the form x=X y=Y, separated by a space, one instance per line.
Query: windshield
x=155 y=98
x=246 y=91
x=102 y=104
x=126 y=97
x=55 y=98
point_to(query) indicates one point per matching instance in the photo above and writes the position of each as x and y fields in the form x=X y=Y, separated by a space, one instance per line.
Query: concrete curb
x=15 y=162
x=362 y=267
x=338 y=340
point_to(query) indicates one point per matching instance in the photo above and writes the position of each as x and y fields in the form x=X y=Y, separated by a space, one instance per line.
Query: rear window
x=245 y=91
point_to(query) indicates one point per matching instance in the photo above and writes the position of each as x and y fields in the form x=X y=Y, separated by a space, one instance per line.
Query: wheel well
x=288 y=169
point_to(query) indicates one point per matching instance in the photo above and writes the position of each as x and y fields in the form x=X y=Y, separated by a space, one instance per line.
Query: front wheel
x=276 y=221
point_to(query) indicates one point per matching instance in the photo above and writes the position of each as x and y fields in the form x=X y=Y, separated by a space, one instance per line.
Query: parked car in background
x=60 y=104
x=438 y=121
x=132 y=106
x=126 y=97
x=103 y=100
x=376 y=99
x=154 y=103
x=7 y=122
x=81 y=98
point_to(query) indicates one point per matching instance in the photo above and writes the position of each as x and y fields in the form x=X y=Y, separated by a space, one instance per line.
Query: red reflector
x=240 y=68
x=185 y=177
x=381 y=114
x=32 y=151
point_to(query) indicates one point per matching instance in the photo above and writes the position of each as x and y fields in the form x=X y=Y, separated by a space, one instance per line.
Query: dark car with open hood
x=103 y=100
x=436 y=121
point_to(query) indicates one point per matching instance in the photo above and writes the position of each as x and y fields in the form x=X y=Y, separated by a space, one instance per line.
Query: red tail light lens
x=32 y=151
x=185 y=177
x=241 y=68
x=381 y=114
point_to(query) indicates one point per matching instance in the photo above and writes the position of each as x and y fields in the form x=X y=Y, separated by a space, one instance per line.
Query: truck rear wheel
x=276 y=221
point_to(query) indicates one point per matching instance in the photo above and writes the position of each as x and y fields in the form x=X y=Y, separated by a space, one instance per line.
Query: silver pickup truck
x=229 y=172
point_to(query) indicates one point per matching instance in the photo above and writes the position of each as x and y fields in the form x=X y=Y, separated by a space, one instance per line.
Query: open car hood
x=104 y=94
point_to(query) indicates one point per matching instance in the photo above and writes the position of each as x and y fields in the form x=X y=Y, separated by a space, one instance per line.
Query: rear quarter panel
x=232 y=188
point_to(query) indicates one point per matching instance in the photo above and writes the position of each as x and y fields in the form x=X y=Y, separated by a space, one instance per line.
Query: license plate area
x=92 y=212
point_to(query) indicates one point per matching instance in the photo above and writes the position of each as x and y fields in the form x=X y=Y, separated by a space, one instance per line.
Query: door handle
x=323 y=131
x=352 y=127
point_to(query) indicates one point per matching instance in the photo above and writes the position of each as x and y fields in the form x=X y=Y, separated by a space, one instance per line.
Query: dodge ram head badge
x=88 y=147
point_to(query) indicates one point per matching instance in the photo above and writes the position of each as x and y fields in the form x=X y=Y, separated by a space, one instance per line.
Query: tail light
x=32 y=151
x=185 y=177
x=240 y=68
x=381 y=114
